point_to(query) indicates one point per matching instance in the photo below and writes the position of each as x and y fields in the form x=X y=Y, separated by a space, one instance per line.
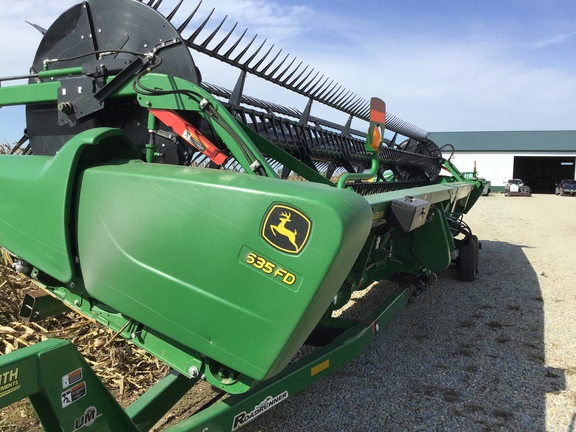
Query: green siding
x=508 y=141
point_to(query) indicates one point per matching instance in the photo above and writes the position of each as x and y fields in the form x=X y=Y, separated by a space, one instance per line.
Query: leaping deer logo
x=286 y=228
x=281 y=229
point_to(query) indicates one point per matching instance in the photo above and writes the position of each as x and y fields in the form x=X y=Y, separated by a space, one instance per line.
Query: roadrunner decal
x=286 y=228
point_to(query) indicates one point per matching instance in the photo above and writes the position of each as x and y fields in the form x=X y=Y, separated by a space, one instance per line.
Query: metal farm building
x=540 y=158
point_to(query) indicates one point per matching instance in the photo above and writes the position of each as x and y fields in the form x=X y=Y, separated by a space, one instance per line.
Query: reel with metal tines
x=285 y=71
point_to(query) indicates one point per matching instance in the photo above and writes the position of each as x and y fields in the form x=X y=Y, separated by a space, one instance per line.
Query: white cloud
x=554 y=40
x=465 y=76
x=272 y=20
x=20 y=40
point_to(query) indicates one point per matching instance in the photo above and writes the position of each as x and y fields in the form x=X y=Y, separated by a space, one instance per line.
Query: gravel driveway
x=496 y=354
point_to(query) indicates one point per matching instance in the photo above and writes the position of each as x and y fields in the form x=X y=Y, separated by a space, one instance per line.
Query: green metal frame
x=187 y=97
x=51 y=370
x=62 y=388
x=360 y=246
x=456 y=176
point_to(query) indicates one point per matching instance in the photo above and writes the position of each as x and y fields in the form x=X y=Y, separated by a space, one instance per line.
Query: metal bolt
x=72 y=285
x=193 y=372
x=66 y=107
x=377 y=327
x=76 y=303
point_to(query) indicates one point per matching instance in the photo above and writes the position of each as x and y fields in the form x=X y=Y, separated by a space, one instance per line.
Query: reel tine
x=257 y=65
x=219 y=46
x=310 y=81
x=216 y=30
x=187 y=20
x=279 y=66
x=171 y=14
x=157 y=5
x=322 y=96
x=353 y=104
x=273 y=60
x=303 y=80
x=326 y=97
x=237 y=59
x=296 y=112
x=336 y=94
x=201 y=27
x=357 y=104
x=279 y=77
x=313 y=89
x=298 y=77
x=233 y=47
x=247 y=62
x=341 y=100
x=37 y=27
x=321 y=88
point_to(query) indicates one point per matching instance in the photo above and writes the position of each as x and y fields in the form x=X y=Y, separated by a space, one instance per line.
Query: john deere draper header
x=163 y=206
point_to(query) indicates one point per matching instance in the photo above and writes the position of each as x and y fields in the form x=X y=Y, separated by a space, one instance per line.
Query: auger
x=170 y=212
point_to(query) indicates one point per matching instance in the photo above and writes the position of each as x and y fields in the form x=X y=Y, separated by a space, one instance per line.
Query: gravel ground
x=496 y=354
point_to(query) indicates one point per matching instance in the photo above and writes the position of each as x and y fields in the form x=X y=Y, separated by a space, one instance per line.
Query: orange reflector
x=320 y=367
x=376 y=138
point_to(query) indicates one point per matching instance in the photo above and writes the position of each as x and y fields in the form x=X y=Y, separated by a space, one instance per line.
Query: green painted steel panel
x=35 y=214
x=236 y=411
x=65 y=393
x=184 y=251
x=428 y=246
x=436 y=193
x=29 y=94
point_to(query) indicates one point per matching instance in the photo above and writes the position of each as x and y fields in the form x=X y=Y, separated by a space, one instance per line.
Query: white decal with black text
x=244 y=417
x=73 y=394
x=72 y=378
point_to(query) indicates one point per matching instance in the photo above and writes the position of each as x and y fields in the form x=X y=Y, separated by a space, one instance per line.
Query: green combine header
x=165 y=208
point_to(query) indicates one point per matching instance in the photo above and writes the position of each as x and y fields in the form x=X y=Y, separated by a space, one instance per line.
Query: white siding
x=496 y=167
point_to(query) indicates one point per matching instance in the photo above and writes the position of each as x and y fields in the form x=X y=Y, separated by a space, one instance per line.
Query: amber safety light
x=376 y=138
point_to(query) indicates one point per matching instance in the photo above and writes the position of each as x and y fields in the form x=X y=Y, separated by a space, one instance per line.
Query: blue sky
x=448 y=65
